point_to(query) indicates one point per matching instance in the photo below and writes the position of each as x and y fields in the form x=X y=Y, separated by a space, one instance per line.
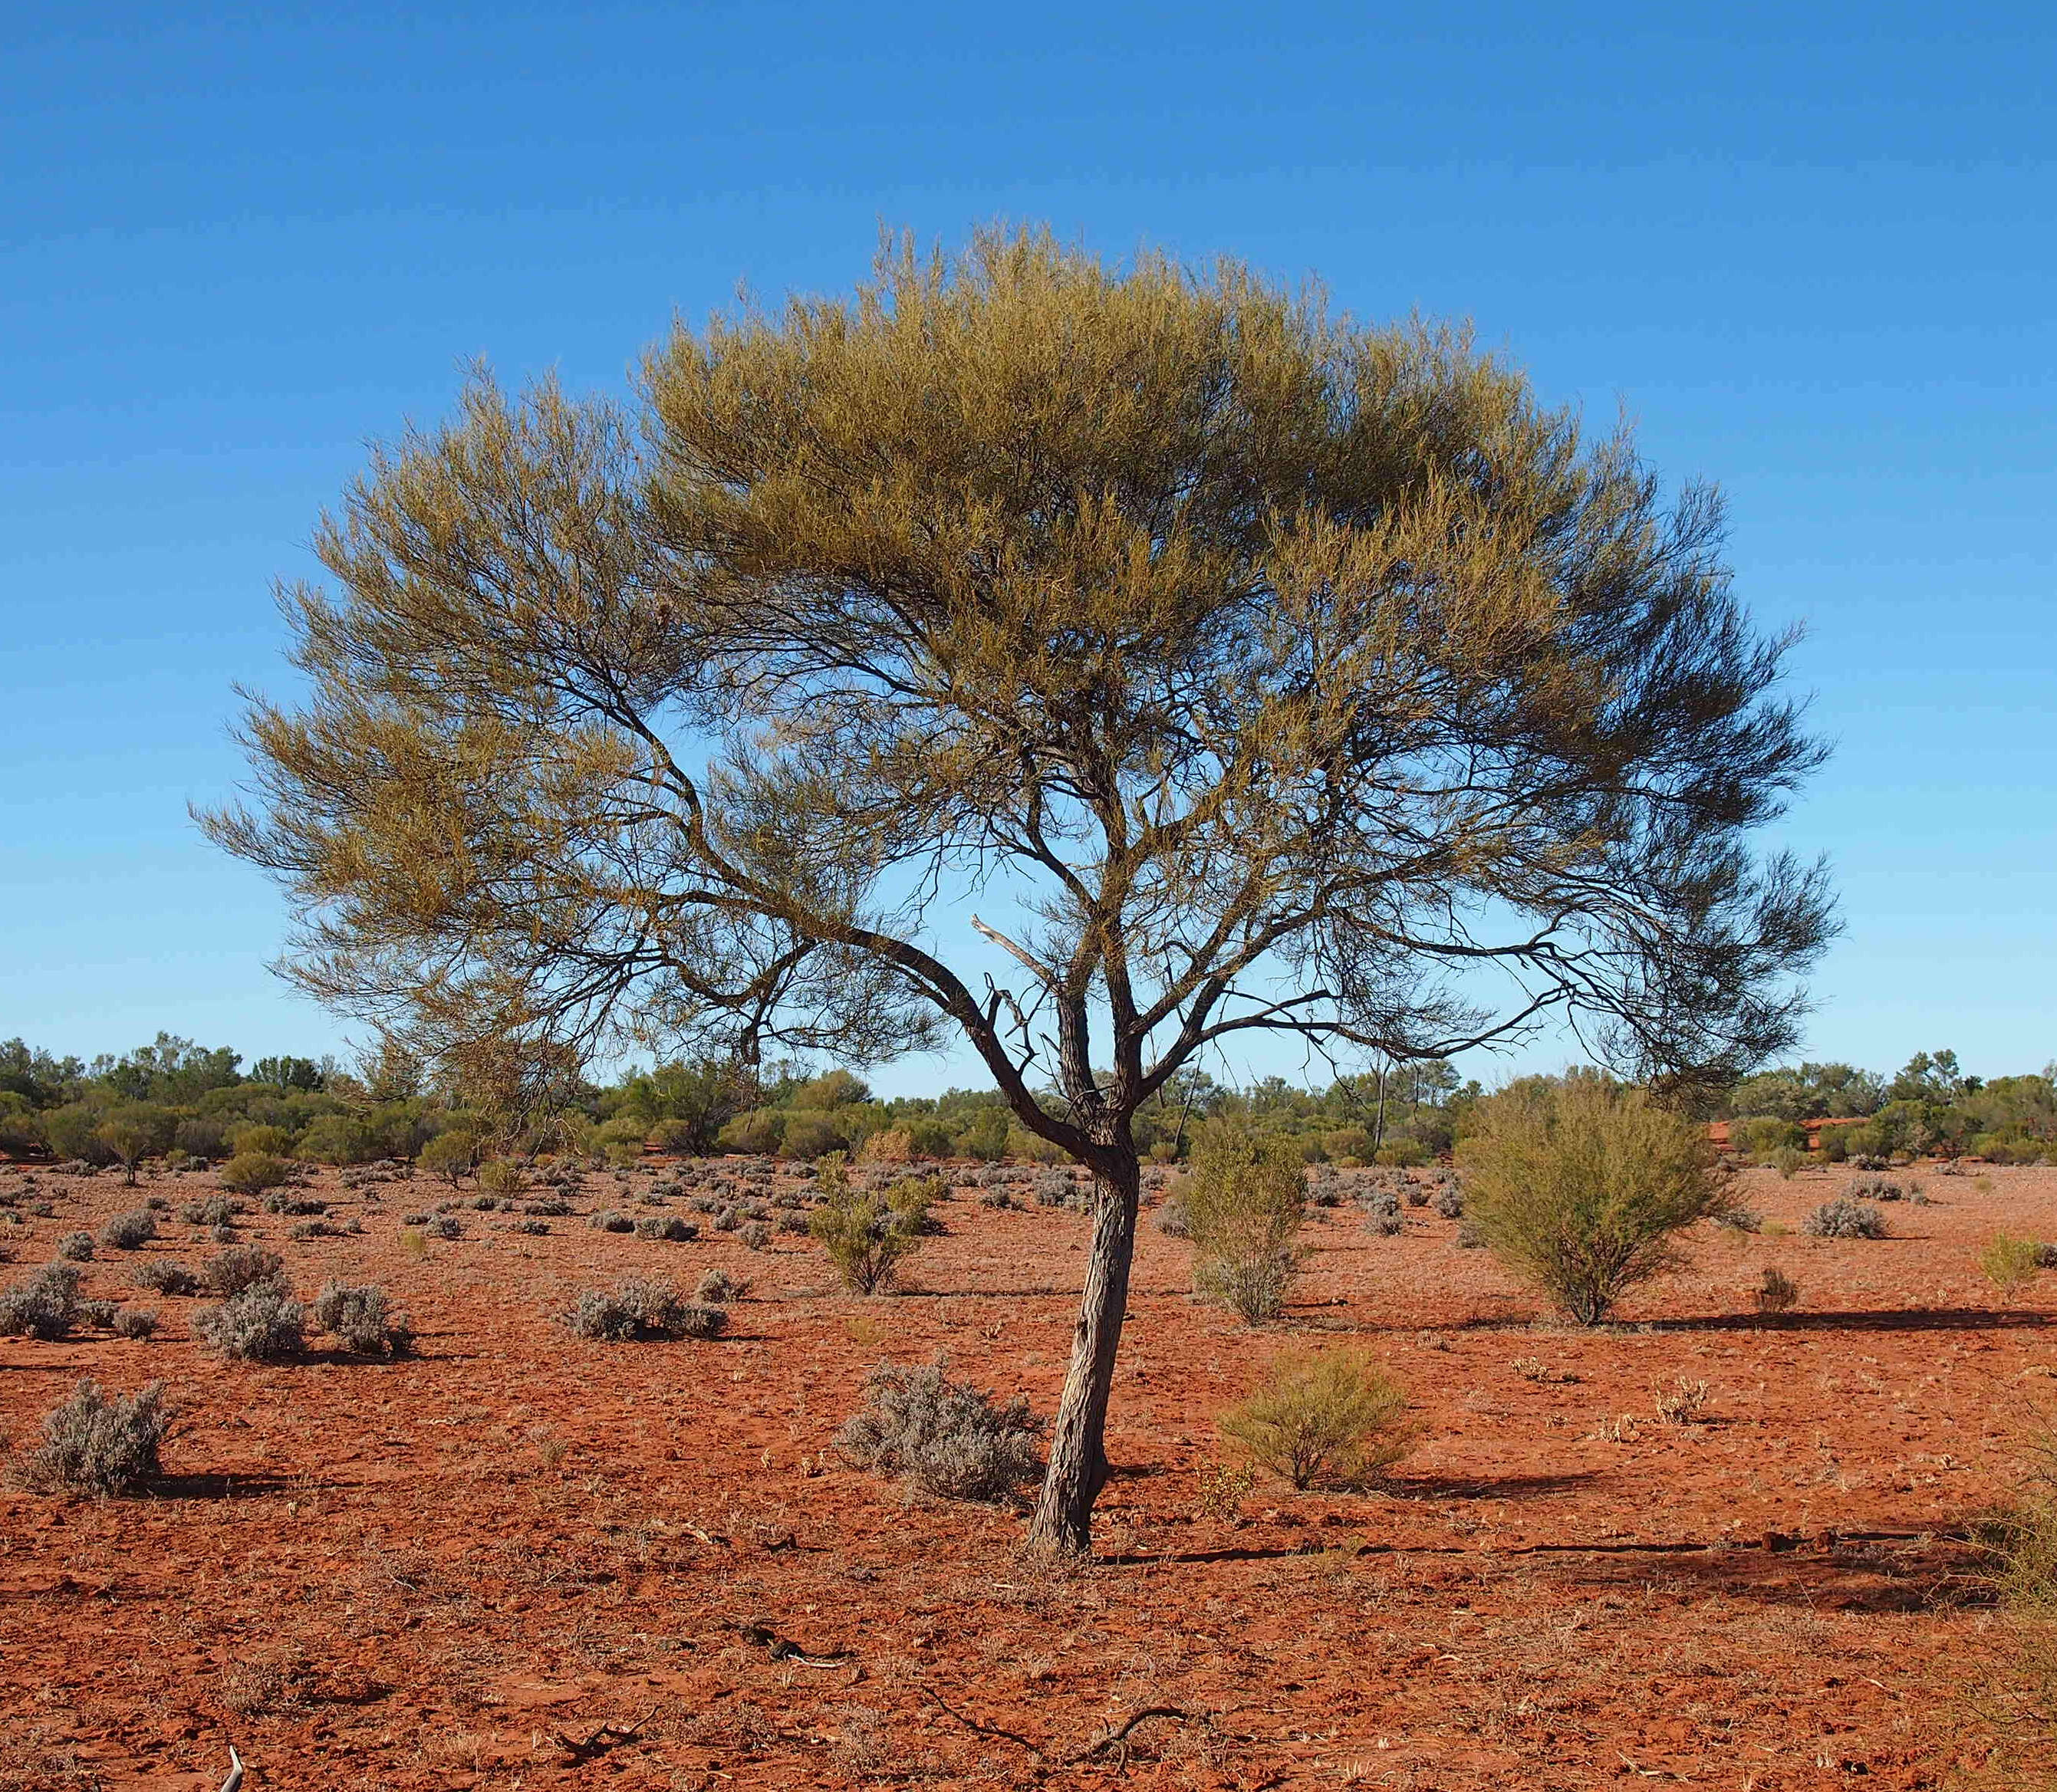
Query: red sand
x=423 y=1574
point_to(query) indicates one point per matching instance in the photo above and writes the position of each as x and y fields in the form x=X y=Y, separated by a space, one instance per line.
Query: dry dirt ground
x=447 y=1571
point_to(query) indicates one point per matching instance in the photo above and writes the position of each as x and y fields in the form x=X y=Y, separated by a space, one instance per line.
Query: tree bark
x=1078 y=1453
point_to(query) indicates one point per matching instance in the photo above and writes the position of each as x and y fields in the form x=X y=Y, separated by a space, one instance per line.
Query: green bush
x=863 y=1237
x=270 y=1141
x=1582 y=1187
x=1245 y=1195
x=502 y=1176
x=198 y=1136
x=757 y=1132
x=336 y=1138
x=1332 y=1418
x=73 y=1131
x=811 y=1135
x=2010 y=1263
x=1759 y=1136
x=253 y=1173
x=449 y=1155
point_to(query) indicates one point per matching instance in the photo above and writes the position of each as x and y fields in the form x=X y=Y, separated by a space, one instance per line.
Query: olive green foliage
x=2010 y=1263
x=337 y=1138
x=1331 y=1418
x=1273 y=660
x=253 y=1173
x=1581 y=1186
x=502 y=1176
x=865 y=1239
x=135 y=1130
x=1763 y=1136
x=1245 y=1198
x=448 y=1154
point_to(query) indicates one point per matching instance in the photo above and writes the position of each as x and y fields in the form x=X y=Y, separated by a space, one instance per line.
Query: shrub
x=1762 y=1136
x=1450 y=1201
x=1789 y=1162
x=44 y=1305
x=253 y=1173
x=1776 y=1293
x=2009 y=1263
x=216 y=1210
x=607 y=1219
x=262 y=1324
x=336 y=1138
x=278 y=1202
x=1876 y=1188
x=502 y=1176
x=718 y=1287
x=1245 y=1198
x=77 y=1247
x=1384 y=1223
x=160 y=1276
x=755 y=1237
x=444 y=1226
x=1582 y=1187
x=550 y=1207
x=98 y=1444
x=1835 y=1144
x=201 y=1137
x=947 y=1437
x=1000 y=1199
x=243 y=1267
x=860 y=1233
x=357 y=1315
x=1333 y=1418
x=894 y=1145
x=134 y=1321
x=449 y=1155
x=667 y=1228
x=97 y=1312
x=1843 y=1218
x=637 y=1310
x=911 y=1201
x=129 y=1231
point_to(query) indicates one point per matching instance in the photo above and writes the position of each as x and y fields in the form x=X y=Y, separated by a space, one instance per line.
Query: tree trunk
x=1078 y=1453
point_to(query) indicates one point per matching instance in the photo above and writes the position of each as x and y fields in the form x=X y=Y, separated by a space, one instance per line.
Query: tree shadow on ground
x=1910 y=1319
x=1512 y=1487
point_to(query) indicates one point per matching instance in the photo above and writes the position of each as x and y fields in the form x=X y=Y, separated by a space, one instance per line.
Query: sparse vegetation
x=947 y=1437
x=243 y=1267
x=1331 y=1418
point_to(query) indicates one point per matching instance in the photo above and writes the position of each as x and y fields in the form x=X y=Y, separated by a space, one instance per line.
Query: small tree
x=1274 y=673
x=1582 y=1187
x=1245 y=1199
x=134 y=1131
x=448 y=1154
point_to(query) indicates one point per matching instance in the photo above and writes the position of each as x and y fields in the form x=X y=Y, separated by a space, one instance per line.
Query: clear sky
x=1809 y=248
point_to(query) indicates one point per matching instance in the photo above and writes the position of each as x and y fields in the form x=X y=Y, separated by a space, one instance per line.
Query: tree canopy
x=1257 y=670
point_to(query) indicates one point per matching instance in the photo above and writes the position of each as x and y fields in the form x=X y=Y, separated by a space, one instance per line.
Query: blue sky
x=1809 y=248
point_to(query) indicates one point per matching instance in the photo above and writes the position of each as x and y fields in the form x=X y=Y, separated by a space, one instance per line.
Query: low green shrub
x=1329 y=1418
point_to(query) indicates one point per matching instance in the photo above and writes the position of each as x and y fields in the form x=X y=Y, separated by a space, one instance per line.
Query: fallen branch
x=1115 y=1739
x=607 y=1737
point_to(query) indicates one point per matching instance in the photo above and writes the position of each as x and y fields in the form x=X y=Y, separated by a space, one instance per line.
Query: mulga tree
x=1253 y=671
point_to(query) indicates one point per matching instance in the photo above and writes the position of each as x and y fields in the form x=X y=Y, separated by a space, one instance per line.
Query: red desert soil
x=422 y=1574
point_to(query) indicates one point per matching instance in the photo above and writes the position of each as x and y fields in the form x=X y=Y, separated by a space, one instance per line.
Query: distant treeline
x=175 y=1096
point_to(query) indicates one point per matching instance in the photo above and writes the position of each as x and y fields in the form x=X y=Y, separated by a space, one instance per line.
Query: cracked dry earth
x=522 y=1560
